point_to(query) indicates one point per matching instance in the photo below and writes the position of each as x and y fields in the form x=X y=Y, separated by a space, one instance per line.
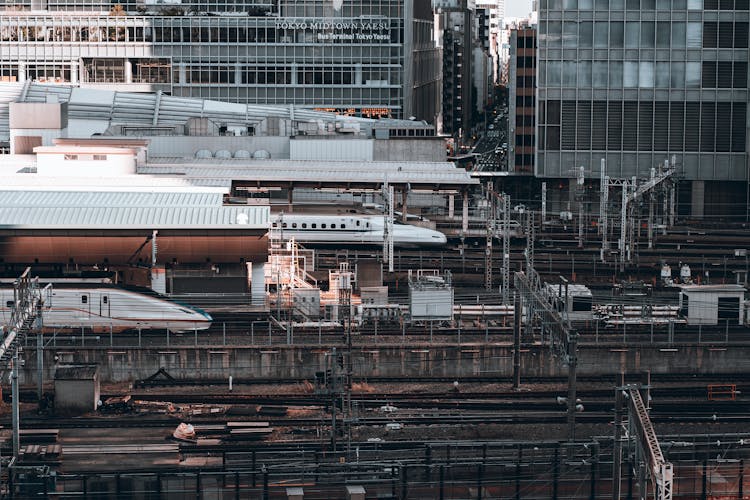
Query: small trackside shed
x=76 y=389
x=712 y=304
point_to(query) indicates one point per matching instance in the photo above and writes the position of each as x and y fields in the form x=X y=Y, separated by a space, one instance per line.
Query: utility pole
x=617 y=453
x=345 y=306
x=27 y=306
x=580 y=194
x=623 y=224
x=530 y=240
x=517 y=312
x=334 y=398
x=506 y=248
x=388 y=226
x=603 y=211
x=491 y=227
x=650 y=224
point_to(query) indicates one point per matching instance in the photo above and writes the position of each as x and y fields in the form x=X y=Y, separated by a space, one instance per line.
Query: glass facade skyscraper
x=636 y=81
x=372 y=58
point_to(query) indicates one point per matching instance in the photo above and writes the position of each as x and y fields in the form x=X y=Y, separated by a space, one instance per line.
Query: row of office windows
x=644 y=74
x=645 y=4
x=373 y=77
x=643 y=34
x=299 y=8
x=524 y=162
x=182 y=30
x=321 y=8
x=351 y=97
x=526 y=62
x=526 y=42
x=152 y=70
x=162 y=71
x=643 y=126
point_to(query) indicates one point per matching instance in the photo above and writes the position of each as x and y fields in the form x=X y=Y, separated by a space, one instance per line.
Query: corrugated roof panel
x=133 y=217
x=108 y=199
x=103 y=104
x=38 y=92
x=181 y=165
x=280 y=170
x=129 y=108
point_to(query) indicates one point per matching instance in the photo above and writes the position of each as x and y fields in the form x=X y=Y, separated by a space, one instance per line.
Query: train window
x=84 y=299
x=274 y=224
x=343 y=226
x=582 y=304
x=314 y=225
x=9 y=304
x=304 y=225
x=358 y=223
x=104 y=299
x=283 y=225
x=333 y=226
x=685 y=307
x=294 y=225
x=323 y=226
x=367 y=225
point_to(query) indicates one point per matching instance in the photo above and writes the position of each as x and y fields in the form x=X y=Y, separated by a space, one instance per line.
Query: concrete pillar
x=183 y=74
x=357 y=74
x=128 y=71
x=404 y=194
x=294 y=74
x=74 y=69
x=159 y=279
x=465 y=213
x=697 y=199
x=571 y=194
x=257 y=283
x=238 y=74
x=21 y=72
x=290 y=199
x=451 y=205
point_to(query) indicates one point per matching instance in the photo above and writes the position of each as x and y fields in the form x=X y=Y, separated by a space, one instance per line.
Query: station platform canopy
x=112 y=211
x=289 y=174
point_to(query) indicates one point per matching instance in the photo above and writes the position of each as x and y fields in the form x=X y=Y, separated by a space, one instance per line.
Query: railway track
x=558 y=252
x=718 y=378
x=490 y=417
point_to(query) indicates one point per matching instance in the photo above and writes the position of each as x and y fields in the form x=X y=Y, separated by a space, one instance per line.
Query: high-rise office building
x=496 y=10
x=464 y=35
x=370 y=58
x=522 y=73
x=636 y=81
x=454 y=25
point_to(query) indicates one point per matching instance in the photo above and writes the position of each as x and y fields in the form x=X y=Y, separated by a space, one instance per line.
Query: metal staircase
x=27 y=304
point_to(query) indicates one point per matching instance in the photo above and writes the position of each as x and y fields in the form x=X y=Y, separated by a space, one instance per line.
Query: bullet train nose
x=439 y=239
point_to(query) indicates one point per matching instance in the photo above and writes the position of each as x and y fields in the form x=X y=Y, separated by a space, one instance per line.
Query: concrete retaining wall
x=384 y=360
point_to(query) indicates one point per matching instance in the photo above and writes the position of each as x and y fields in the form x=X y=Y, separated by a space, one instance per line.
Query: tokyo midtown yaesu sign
x=340 y=30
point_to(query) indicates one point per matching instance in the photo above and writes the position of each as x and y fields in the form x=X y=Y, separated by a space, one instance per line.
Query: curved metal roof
x=134 y=108
x=303 y=172
x=109 y=199
x=125 y=210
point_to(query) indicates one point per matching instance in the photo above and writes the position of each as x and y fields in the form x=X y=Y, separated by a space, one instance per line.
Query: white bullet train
x=98 y=308
x=347 y=230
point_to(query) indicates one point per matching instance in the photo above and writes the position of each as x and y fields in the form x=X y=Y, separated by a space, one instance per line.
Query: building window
x=100 y=157
x=71 y=157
